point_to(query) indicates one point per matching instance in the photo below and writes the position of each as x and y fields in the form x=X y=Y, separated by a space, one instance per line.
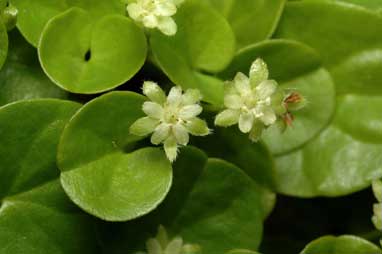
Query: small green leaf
x=34 y=15
x=99 y=173
x=204 y=42
x=33 y=202
x=251 y=20
x=97 y=56
x=341 y=245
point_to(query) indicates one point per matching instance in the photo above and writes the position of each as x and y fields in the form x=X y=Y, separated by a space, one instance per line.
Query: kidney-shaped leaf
x=22 y=77
x=33 y=15
x=251 y=20
x=29 y=133
x=204 y=42
x=341 y=245
x=97 y=172
x=83 y=55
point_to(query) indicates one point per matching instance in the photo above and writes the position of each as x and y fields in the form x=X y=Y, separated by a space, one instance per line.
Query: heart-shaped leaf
x=97 y=172
x=341 y=245
x=22 y=77
x=83 y=55
x=35 y=215
x=33 y=15
x=207 y=202
x=204 y=42
x=251 y=20
x=294 y=66
x=3 y=43
x=344 y=158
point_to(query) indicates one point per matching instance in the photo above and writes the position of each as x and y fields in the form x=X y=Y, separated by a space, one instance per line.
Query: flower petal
x=256 y=131
x=197 y=127
x=167 y=25
x=258 y=72
x=161 y=133
x=153 y=91
x=175 y=246
x=190 y=111
x=175 y=96
x=227 y=117
x=144 y=126
x=153 y=109
x=153 y=246
x=135 y=11
x=191 y=96
x=181 y=134
x=165 y=8
x=269 y=117
x=150 y=21
x=178 y=2
x=171 y=148
x=266 y=89
x=233 y=101
x=241 y=83
x=246 y=122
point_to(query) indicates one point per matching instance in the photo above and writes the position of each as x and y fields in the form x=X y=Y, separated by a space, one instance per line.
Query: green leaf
x=344 y=158
x=207 y=202
x=3 y=43
x=97 y=56
x=341 y=245
x=251 y=20
x=22 y=77
x=33 y=202
x=99 y=172
x=374 y=5
x=294 y=66
x=255 y=159
x=204 y=42
x=34 y=15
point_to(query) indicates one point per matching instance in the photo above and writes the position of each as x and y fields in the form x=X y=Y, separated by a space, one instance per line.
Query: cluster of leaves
x=70 y=168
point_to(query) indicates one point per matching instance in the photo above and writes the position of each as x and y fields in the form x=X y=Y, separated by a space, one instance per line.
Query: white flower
x=161 y=245
x=253 y=102
x=155 y=14
x=170 y=119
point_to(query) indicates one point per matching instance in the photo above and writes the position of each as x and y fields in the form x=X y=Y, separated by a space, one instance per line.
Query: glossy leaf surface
x=100 y=171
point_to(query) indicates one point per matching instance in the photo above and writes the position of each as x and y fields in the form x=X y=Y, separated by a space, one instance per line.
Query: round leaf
x=207 y=202
x=251 y=20
x=99 y=173
x=22 y=77
x=341 y=245
x=33 y=15
x=204 y=42
x=29 y=132
x=97 y=56
x=344 y=157
x=295 y=66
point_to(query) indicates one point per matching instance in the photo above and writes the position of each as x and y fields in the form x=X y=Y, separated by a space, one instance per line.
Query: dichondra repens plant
x=172 y=126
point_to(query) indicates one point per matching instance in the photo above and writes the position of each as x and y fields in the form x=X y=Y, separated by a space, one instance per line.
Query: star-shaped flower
x=255 y=102
x=170 y=119
x=155 y=14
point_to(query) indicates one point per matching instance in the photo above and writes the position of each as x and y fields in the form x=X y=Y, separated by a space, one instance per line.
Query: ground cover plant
x=190 y=127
